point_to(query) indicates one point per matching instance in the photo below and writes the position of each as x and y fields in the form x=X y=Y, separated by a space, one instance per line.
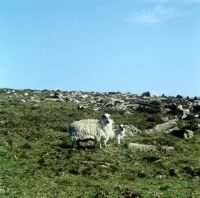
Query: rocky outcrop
x=177 y=108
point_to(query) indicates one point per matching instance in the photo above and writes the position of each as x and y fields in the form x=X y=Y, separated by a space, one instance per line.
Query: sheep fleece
x=86 y=129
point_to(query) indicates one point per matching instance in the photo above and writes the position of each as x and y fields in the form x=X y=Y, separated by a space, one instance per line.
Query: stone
x=196 y=108
x=142 y=147
x=146 y=147
x=164 y=118
x=179 y=96
x=148 y=94
x=119 y=106
x=167 y=148
x=172 y=129
x=194 y=126
x=81 y=107
x=162 y=127
x=184 y=133
x=22 y=101
x=2 y=122
x=130 y=130
x=55 y=99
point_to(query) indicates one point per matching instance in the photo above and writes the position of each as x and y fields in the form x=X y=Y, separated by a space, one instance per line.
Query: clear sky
x=101 y=45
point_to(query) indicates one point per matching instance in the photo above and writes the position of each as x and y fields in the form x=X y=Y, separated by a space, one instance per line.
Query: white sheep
x=91 y=129
x=117 y=134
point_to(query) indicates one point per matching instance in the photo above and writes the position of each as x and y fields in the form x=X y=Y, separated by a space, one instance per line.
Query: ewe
x=91 y=129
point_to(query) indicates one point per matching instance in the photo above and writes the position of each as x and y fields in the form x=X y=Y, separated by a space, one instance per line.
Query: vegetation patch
x=36 y=158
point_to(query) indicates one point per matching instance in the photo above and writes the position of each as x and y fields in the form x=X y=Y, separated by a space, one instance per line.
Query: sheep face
x=105 y=119
x=122 y=128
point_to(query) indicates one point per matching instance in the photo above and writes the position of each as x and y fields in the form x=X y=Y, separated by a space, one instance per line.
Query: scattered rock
x=184 y=108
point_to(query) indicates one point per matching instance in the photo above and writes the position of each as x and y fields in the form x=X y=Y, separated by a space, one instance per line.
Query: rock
x=167 y=148
x=2 y=122
x=22 y=101
x=165 y=110
x=56 y=95
x=184 y=133
x=130 y=130
x=55 y=99
x=179 y=96
x=146 y=147
x=148 y=94
x=109 y=105
x=58 y=89
x=142 y=147
x=183 y=116
x=164 y=127
x=119 y=106
x=180 y=107
x=112 y=93
x=172 y=129
x=81 y=107
x=196 y=98
x=195 y=126
x=196 y=107
x=165 y=96
x=164 y=118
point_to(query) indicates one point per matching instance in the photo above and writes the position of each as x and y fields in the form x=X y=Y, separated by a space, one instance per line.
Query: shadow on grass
x=81 y=147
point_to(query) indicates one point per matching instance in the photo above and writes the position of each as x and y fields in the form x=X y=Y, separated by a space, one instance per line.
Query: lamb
x=117 y=134
x=91 y=129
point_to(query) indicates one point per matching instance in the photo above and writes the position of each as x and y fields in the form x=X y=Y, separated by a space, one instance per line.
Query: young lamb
x=91 y=129
x=117 y=134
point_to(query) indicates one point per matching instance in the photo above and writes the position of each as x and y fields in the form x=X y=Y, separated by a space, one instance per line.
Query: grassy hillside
x=36 y=159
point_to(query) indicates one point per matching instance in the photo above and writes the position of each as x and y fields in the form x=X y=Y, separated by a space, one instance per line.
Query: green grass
x=36 y=159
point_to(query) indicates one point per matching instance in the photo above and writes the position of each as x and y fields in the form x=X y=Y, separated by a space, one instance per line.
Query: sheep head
x=105 y=119
x=122 y=128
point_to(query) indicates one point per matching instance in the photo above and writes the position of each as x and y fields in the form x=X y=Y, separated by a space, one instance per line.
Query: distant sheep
x=91 y=129
x=117 y=134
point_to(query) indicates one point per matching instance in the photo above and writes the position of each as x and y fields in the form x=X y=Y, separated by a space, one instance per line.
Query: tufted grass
x=36 y=159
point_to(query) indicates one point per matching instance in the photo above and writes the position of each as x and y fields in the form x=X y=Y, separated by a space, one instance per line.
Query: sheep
x=117 y=134
x=91 y=129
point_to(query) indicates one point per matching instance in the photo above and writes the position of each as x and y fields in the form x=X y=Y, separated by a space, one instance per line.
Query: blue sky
x=101 y=45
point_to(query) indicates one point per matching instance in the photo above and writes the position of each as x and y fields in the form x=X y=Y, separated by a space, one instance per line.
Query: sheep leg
x=118 y=140
x=78 y=143
x=105 y=141
x=96 y=143
x=73 y=143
